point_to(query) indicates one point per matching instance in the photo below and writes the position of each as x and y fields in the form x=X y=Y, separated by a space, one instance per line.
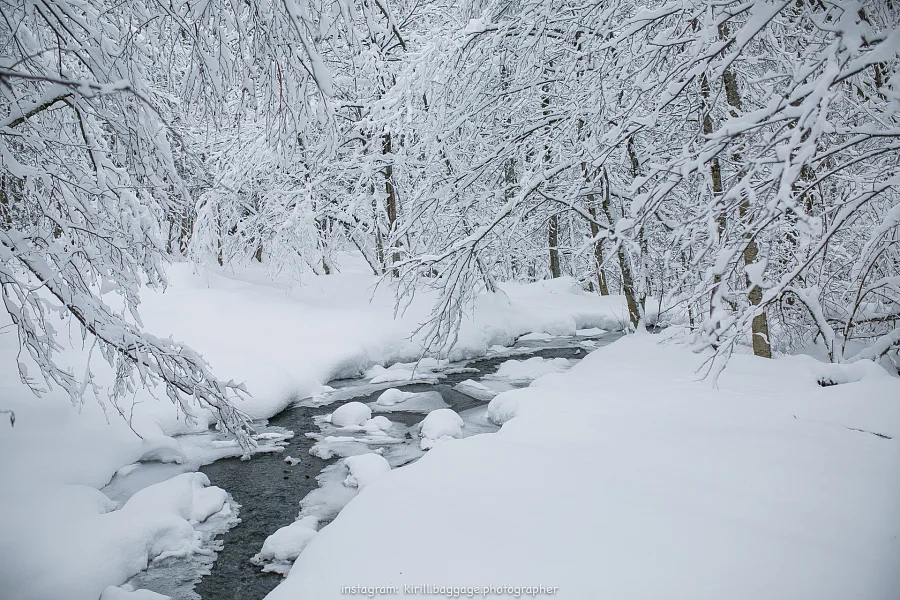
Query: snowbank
x=70 y=542
x=659 y=486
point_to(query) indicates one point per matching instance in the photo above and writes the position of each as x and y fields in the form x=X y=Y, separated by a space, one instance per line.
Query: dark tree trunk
x=391 y=198
x=553 y=244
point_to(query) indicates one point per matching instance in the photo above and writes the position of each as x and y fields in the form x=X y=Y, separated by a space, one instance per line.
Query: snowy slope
x=627 y=478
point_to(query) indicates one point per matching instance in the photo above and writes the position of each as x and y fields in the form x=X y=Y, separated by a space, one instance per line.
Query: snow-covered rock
x=440 y=425
x=352 y=414
x=392 y=396
x=363 y=469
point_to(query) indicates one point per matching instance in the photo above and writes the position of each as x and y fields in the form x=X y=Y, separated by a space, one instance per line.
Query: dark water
x=269 y=490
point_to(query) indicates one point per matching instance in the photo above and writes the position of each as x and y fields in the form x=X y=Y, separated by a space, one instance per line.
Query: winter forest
x=215 y=213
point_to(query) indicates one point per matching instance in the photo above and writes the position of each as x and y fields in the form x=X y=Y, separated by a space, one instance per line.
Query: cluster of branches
x=101 y=102
x=733 y=162
x=736 y=160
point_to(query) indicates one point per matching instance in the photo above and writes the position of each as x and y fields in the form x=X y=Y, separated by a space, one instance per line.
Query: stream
x=269 y=489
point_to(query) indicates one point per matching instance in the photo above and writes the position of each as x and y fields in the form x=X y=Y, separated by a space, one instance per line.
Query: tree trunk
x=715 y=174
x=642 y=235
x=595 y=229
x=760 y=324
x=553 y=244
x=634 y=312
x=391 y=198
x=598 y=250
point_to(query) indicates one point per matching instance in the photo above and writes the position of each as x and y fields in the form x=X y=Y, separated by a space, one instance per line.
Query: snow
x=392 y=396
x=503 y=408
x=118 y=593
x=659 y=486
x=283 y=341
x=440 y=425
x=76 y=531
x=187 y=496
x=378 y=423
x=414 y=402
x=389 y=375
x=590 y=331
x=530 y=369
x=475 y=389
x=352 y=414
x=282 y=547
x=364 y=469
x=536 y=336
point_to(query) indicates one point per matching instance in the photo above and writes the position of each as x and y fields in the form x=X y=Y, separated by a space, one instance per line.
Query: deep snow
x=628 y=477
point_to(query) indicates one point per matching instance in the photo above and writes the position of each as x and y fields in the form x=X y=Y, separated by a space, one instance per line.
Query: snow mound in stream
x=352 y=414
x=392 y=396
x=440 y=425
x=364 y=469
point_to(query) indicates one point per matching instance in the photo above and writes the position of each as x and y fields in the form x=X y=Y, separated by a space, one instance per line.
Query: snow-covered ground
x=61 y=537
x=628 y=477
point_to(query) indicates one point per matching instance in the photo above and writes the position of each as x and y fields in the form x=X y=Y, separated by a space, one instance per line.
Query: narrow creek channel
x=269 y=490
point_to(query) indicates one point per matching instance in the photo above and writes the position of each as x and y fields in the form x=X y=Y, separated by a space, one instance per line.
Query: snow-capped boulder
x=352 y=414
x=363 y=469
x=439 y=425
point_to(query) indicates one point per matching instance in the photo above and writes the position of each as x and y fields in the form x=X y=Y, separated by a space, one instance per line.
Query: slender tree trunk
x=553 y=223
x=598 y=250
x=391 y=198
x=634 y=312
x=595 y=229
x=715 y=173
x=760 y=324
x=553 y=244
x=642 y=235
x=5 y=205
